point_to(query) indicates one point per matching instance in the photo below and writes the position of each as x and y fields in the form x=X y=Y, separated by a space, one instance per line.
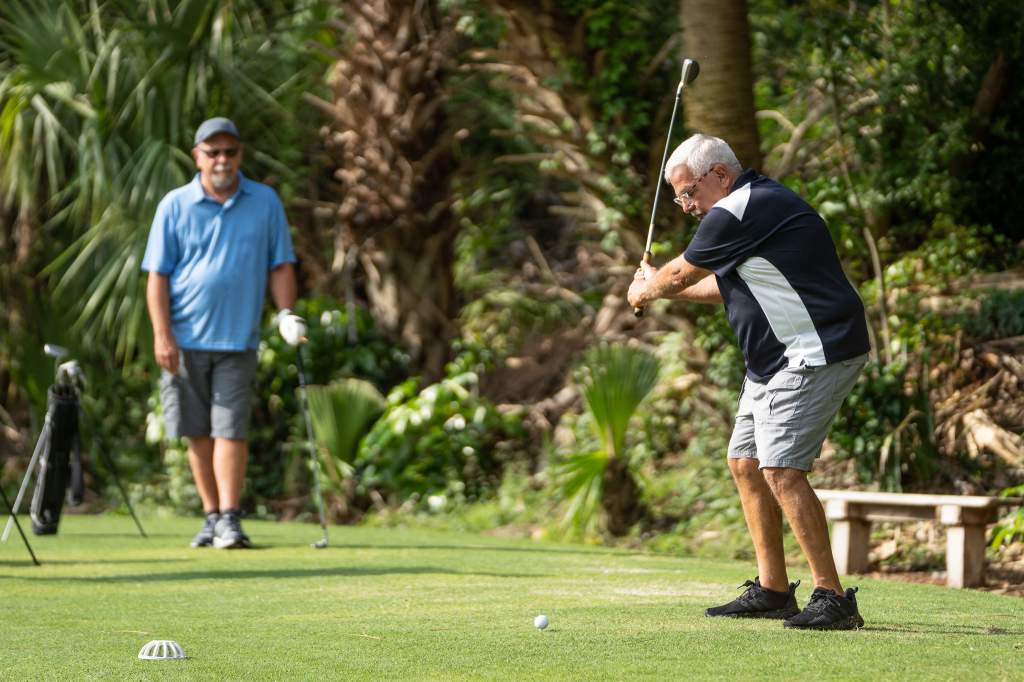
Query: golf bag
x=59 y=472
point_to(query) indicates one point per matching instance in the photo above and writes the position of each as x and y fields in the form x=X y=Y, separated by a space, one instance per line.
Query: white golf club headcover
x=291 y=327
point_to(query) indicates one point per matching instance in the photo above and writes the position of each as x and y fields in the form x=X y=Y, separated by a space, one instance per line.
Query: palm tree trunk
x=390 y=168
x=621 y=498
x=721 y=102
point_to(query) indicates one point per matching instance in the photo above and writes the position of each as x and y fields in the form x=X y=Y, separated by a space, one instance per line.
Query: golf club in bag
x=57 y=458
x=314 y=460
x=689 y=74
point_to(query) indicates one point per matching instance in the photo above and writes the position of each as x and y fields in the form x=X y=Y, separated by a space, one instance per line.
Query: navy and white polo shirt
x=786 y=295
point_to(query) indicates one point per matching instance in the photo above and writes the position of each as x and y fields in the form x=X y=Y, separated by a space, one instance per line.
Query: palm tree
x=613 y=380
x=388 y=204
x=97 y=104
x=721 y=102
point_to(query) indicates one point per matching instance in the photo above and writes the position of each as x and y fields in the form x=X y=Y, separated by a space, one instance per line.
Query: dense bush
x=443 y=439
x=885 y=427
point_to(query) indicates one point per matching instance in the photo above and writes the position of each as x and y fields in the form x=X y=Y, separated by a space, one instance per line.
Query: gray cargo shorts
x=783 y=422
x=210 y=396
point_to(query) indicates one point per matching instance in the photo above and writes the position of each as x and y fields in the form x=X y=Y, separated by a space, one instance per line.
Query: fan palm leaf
x=342 y=413
x=613 y=381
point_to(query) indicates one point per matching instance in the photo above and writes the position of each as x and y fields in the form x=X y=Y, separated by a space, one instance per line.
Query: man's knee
x=200 y=445
x=784 y=481
x=745 y=473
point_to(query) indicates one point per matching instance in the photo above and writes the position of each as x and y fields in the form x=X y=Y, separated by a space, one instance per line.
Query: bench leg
x=965 y=555
x=850 y=545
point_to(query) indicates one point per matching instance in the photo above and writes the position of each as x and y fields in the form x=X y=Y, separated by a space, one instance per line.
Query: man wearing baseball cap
x=214 y=246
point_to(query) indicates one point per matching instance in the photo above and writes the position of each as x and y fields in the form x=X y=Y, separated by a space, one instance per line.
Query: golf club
x=313 y=457
x=689 y=74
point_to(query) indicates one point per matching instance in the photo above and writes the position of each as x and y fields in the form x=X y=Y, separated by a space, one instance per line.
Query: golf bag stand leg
x=108 y=461
x=17 y=525
x=41 y=443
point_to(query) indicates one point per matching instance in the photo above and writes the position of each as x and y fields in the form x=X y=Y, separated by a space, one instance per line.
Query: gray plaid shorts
x=783 y=422
x=210 y=396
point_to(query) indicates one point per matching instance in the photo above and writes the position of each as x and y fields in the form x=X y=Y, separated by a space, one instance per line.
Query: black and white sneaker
x=228 y=531
x=204 y=538
x=759 y=602
x=828 y=611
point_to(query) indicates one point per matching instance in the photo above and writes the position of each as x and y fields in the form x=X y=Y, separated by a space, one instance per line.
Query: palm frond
x=97 y=105
x=342 y=413
x=614 y=380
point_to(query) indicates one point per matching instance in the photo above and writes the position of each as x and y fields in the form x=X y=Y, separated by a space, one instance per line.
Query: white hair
x=699 y=153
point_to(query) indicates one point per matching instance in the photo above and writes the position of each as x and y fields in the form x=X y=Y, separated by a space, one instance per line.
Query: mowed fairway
x=396 y=604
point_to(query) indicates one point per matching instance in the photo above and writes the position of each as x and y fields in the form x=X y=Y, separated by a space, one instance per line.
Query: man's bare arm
x=704 y=291
x=283 y=288
x=673 y=278
x=158 y=301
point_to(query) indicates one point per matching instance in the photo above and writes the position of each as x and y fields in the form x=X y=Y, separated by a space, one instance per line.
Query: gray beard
x=222 y=181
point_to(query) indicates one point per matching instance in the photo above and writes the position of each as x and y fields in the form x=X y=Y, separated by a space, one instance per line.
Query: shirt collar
x=748 y=175
x=197 y=193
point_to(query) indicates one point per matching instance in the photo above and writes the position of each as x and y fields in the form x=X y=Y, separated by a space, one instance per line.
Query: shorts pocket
x=785 y=394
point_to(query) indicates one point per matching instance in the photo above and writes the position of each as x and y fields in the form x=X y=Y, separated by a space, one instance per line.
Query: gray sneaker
x=204 y=538
x=228 y=531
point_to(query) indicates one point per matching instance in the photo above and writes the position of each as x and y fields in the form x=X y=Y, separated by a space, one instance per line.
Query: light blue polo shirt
x=216 y=258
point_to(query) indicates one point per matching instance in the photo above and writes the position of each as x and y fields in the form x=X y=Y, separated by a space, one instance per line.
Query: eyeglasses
x=229 y=152
x=687 y=193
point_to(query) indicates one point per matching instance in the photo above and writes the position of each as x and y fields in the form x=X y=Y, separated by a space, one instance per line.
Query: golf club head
x=690 y=70
x=55 y=351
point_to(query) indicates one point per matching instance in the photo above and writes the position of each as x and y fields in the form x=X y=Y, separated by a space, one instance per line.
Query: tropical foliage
x=613 y=381
x=469 y=181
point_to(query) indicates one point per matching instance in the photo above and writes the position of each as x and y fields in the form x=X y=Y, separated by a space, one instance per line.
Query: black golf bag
x=60 y=463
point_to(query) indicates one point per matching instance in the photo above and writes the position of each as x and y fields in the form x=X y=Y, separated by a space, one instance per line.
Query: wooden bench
x=964 y=516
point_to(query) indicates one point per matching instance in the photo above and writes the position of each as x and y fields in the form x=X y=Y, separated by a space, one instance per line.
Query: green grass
x=386 y=604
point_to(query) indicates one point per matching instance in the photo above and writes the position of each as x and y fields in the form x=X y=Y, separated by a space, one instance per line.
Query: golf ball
x=540 y=622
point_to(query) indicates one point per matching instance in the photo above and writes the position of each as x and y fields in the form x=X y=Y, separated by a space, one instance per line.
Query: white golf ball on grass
x=540 y=622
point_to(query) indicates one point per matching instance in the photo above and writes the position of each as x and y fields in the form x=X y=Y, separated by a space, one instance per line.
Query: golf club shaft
x=313 y=456
x=684 y=77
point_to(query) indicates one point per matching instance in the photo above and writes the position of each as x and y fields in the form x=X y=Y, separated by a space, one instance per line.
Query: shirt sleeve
x=162 y=252
x=281 y=250
x=720 y=244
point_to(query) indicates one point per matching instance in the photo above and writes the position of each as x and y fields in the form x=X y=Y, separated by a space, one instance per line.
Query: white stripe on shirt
x=786 y=312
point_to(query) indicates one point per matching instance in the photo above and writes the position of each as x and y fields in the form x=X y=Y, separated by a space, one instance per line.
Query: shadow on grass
x=87 y=562
x=213 y=574
x=488 y=548
x=944 y=629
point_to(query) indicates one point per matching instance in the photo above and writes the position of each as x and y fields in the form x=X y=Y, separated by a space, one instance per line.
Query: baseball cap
x=215 y=126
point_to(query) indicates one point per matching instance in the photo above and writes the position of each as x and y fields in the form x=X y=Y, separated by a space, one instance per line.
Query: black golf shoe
x=228 y=531
x=828 y=611
x=759 y=602
x=204 y=538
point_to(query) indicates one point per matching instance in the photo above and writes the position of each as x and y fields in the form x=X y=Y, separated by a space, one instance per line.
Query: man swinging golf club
x=213 y=246
x=768 y=256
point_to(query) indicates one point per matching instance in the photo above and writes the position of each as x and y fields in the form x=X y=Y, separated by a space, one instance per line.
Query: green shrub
x=277 y=435
x=444 y=439
x=1013 y=529
x=885 y=427
x=342 y=412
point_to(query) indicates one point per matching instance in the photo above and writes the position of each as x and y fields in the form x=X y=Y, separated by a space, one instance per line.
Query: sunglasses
x=229 y=152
